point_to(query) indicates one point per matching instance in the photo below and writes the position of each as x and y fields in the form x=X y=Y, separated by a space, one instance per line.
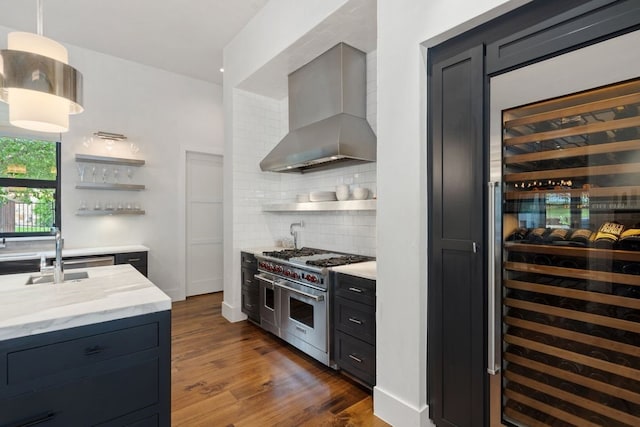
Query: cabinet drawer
x=356 y=288
x=251 y=303
x=248 y=279
x=248 y=261
x=137 y=259
x=86 y=402
x=356 y=357
x=37 y=362
x=356 y=319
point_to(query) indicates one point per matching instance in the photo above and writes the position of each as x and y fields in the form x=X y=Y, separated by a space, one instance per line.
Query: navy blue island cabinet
x=114 y=373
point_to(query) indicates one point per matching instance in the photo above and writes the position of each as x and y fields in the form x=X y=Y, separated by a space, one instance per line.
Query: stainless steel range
x=294 y=297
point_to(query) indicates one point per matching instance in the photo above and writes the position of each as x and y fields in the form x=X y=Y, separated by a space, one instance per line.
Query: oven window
x=301 y=311
x=269 y=299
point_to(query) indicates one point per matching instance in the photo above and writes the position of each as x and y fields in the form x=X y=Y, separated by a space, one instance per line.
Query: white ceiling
x=182 y=36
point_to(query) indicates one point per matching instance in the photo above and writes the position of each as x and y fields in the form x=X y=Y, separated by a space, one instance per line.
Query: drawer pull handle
x=43 y=418
x=354 y=320
x=248 y=282
x=357 y=290
x=133 y=260
x=249 y=305
x=357 y=359
x=304 y=331
x=96 y=349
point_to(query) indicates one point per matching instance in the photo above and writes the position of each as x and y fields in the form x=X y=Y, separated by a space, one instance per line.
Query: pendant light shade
x=38 y=84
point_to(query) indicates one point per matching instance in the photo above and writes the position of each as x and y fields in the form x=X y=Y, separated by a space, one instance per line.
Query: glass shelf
x=103 y=212
x=89 y=158
x=109 y=186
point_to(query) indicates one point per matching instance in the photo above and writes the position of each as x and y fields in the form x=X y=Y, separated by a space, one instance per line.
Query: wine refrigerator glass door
x=565 y=157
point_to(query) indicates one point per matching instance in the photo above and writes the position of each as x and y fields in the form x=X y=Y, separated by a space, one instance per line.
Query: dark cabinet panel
x=356 y=289
x=354 y=323
x=139 y=260
x=456 y=319
x=581 y=26
x=250 y=287
x=115 y=372
x=356 y=357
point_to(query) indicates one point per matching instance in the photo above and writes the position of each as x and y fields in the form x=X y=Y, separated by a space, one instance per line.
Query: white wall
x=277 y=26
x=162 y=113
x=400 y=394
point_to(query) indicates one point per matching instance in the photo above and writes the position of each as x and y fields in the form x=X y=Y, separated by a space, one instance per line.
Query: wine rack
x=571 y=307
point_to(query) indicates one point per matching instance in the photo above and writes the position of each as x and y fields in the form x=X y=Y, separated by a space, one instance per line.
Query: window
x=29 y=186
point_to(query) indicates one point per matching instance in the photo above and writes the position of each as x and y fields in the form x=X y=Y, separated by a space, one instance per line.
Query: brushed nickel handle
x=354 y=320
x=492 y=367
x=357 y=359
x=358 y=290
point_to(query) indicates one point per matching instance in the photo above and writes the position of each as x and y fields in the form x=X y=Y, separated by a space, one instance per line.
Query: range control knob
x=287 y=273
x=311 y=278
x=295 y=275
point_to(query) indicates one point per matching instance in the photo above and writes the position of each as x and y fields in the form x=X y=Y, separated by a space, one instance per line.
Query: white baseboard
x=231 y=313
x=397 y=412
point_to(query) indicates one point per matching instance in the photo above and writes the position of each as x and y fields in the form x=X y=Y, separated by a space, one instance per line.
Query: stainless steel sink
x=37 y=278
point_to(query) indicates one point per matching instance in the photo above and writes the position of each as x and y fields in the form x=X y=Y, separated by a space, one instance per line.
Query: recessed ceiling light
x=222 y=70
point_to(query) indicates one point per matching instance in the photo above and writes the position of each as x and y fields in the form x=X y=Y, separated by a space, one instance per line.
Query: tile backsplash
x=259 y=124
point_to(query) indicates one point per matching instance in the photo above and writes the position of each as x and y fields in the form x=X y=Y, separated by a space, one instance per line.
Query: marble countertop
x=366 y=270
x=71 y=252
x=110 y=293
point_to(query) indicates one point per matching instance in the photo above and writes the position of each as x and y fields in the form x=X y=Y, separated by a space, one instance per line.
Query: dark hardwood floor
x=235 y=374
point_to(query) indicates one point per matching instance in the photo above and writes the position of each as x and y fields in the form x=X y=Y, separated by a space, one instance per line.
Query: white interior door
x=204 y=223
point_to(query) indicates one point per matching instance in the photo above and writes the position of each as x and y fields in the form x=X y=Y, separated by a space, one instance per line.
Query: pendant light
x=37 y=82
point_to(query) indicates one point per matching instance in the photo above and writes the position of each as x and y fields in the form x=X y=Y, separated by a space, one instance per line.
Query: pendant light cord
x=39 y=29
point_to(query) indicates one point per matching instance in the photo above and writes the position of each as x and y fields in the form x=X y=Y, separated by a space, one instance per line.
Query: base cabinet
x=114 y=373
x=354 y=320
x=250 y=287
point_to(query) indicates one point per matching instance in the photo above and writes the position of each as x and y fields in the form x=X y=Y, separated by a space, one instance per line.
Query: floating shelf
x=103 y=212
x=109 y=186
x=347 y=205
x=109 y=160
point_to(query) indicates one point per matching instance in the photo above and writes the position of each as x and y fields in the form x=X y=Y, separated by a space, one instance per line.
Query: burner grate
x=338 y=260
x=287 y=254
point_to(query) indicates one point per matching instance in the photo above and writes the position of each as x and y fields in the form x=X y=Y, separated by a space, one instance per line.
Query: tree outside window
x=29 y=186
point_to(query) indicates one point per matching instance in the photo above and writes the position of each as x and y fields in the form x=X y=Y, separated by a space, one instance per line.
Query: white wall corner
x=397 y=412
x=232 y=313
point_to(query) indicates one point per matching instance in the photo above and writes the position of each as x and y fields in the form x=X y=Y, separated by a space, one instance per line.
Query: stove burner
x=287 y=254
x=338 y=260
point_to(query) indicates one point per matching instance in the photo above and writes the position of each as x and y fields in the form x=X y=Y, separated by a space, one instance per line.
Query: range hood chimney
x=327 y=115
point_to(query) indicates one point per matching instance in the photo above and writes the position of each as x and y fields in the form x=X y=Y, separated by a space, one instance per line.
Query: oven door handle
x=269 y=283
x=296 y=291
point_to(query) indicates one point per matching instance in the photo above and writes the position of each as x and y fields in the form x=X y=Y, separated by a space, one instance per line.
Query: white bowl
x=360 y=193
x=342 y=192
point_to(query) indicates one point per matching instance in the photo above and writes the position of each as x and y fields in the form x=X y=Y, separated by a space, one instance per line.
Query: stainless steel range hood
x=327 y=115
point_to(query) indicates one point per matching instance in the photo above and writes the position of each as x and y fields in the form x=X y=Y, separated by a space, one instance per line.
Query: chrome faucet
x=295 y=233
x=58 y=271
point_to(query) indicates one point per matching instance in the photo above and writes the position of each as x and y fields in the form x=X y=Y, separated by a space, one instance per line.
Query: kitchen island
x=85 y=352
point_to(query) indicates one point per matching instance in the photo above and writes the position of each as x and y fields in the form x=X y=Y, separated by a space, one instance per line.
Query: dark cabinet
x=250 y=287
x=456 y=276
x=136 y=259
x=114 y=373
x=354 y=320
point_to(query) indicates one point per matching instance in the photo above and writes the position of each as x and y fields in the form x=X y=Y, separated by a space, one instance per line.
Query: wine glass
x=81 y=169
x=116 y=172
x=93 y=173
x=130 y=173
x=105 y=174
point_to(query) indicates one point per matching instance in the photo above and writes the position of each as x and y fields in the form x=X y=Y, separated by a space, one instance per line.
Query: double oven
x=295 y=297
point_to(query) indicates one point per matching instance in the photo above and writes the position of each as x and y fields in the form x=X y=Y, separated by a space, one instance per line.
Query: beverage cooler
x=565 y=195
